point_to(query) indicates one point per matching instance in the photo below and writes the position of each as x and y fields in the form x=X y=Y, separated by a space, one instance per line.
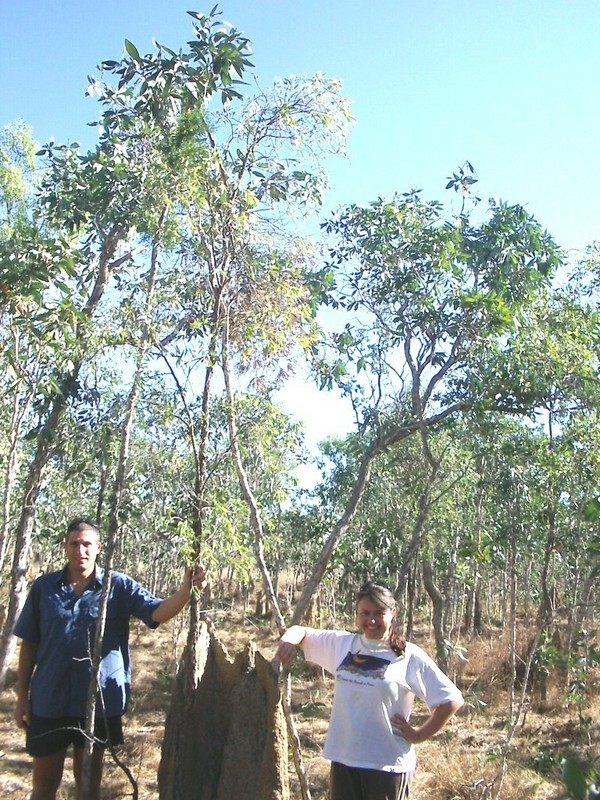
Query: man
x=57 y=629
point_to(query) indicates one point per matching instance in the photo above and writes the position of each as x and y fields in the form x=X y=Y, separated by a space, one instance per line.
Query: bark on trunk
x=437 y=601
x=411 y=587
x=20 y=406
x=33 y=485
x=18 y=582
x=113 y=524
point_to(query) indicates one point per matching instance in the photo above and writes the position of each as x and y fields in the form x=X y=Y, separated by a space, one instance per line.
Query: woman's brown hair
x=383 y=597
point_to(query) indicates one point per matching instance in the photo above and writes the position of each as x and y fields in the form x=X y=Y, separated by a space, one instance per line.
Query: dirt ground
x=464 y=761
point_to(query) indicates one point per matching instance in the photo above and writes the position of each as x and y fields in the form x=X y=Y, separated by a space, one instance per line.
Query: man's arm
x=27 y=661
x=171 y=606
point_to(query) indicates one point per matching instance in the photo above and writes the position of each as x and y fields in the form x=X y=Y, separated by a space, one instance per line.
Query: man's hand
x=27 y=660
x=196 y=577
x=22 y=712
x=192 y=577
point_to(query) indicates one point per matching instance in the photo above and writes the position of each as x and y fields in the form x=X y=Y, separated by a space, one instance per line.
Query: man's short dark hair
x=82 y=524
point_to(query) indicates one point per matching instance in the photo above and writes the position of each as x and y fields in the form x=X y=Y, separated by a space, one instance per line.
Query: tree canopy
x=156 y=290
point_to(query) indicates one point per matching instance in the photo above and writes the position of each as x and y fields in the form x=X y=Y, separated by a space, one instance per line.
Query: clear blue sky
x=510 y=85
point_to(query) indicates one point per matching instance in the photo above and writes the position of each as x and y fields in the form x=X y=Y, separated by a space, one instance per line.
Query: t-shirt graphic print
x=366 y=665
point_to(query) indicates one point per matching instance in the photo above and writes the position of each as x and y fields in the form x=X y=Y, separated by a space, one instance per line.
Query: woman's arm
x=286 y=649
x=435 y=722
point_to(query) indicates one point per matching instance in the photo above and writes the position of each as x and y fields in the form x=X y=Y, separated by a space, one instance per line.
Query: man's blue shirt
x=63 y=626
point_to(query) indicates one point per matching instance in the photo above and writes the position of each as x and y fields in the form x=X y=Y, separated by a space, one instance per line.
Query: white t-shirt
x=372 y=684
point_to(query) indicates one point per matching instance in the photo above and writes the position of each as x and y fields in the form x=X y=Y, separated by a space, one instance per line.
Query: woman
x=370 y=741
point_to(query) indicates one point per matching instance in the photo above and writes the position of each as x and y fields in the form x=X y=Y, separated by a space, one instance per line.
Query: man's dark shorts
x=45 y=737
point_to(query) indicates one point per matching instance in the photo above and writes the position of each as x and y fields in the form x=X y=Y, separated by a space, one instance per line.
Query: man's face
x=82 y=548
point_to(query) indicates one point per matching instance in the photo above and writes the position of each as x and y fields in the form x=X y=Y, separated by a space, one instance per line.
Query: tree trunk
x=33 y=484
x=250 y=500
x=512 y=571
x=546 y=609
x=113 y=522
x=18 y=582
x=585 y=607
x=20 y=405
x=477 y=620
x=336 y=534
x=411 y=588
x=437 y=601
x=472 y=620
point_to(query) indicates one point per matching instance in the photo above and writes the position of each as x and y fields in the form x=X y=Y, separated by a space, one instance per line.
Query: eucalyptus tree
x=231 y=289
x=575 y=563
x=568 y=462
x=429 y=292
x=37 y=258
x=580 y=429
x=555 y=361
x=94 y=206
x=20 y=357
x=162 y=179
x=409 y=519
x=241 y=294
x=235 y=271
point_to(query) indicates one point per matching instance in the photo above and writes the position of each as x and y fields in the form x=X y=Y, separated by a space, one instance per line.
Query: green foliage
x=17 y=164
x=438 y=298
x=312 y=709
x=580 y=780
x=174 y=231
x=163 y=85
x=584 y=657
x=544 y=761
x=34 y=256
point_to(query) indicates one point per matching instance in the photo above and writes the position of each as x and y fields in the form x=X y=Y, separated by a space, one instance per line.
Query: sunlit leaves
x=163 y=84
x=431 y=291
x=17 y=164
x=131 y=50
x=549 y=358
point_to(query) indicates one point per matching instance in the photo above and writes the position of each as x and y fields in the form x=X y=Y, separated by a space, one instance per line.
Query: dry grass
x=464 y=762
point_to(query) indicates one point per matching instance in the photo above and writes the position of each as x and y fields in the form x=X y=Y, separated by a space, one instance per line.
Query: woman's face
x=374 y=621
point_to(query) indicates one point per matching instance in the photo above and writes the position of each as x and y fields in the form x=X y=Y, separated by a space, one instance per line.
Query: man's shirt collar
x=98 y=575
